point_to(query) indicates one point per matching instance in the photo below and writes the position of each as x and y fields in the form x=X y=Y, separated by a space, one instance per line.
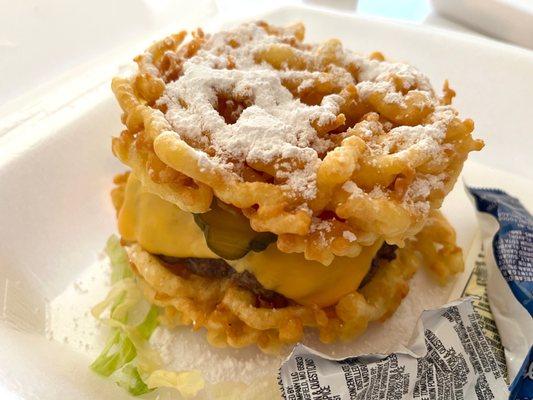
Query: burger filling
x=219 y=268
x=220 y=244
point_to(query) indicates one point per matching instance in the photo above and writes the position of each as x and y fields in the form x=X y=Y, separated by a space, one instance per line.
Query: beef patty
x=217 y=268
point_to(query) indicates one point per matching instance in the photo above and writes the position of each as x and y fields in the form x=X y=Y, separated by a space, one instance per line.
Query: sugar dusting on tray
x=69 y=315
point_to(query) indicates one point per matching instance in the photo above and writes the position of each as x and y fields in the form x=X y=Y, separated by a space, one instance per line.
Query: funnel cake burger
x=276 y=185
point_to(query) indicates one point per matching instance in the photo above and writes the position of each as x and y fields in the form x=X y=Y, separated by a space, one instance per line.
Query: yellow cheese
x=161 y=227
x=158 y=226
x=308 y=282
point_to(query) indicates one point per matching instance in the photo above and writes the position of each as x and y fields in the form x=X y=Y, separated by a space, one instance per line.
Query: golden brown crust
x=180 y=171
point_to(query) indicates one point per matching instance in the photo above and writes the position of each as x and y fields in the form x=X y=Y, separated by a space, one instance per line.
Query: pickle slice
x=228 y=233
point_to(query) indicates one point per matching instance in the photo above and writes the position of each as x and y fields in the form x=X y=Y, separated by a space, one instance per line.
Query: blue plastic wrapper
x=512 y=249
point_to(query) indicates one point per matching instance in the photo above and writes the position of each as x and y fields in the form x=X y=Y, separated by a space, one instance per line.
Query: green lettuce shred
x=121 y=299
x=130 y=379
x=118 y=351
x=127 y=357
x=147 y=327
x=120 y=265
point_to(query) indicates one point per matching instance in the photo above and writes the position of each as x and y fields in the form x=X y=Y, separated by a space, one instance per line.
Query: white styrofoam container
x=56 y=168
x=510 y=20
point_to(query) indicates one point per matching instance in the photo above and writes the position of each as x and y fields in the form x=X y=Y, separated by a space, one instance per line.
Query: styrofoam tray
x=510 y=20
x=56 y=169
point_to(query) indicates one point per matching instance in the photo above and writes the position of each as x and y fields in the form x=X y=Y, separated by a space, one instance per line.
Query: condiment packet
x=506 y=230
x=449 y=358
x=466 y=349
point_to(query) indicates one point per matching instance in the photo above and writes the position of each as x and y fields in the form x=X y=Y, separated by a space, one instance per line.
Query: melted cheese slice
x=307 y=282
x=161 y=227
x=158 y=226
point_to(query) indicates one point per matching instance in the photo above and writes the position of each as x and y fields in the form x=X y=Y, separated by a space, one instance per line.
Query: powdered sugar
x=271 y=130
x=322 y=227
x=276 y=128
x=318 y=224
x=382 y=71
x=352 y=188
x=384 y=77
x=349 y=236
x=186 y=349
x=423 y=185
x=405 y=141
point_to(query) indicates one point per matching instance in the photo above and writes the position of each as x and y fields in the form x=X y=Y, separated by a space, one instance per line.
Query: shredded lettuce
x=130 y=379
x=147 y=358
x=147 y=327
x=122 y=347
x=123 y=296
x=127 y=358
x=120 y=265
x=118 y=351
